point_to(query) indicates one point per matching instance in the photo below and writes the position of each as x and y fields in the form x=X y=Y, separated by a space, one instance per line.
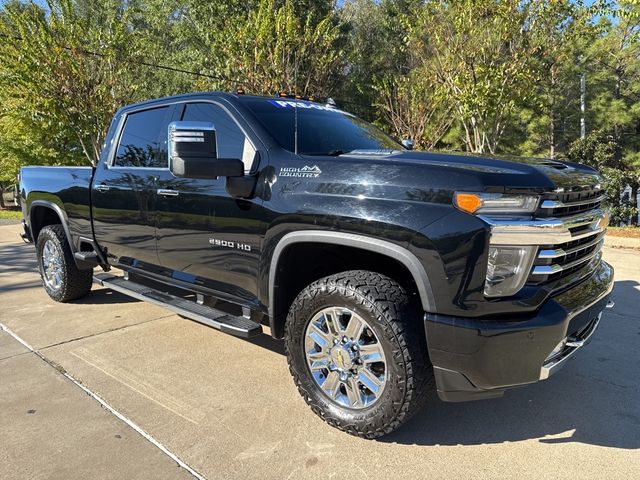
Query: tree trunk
x=552 y=115
x=552 y=134
x=617 y=129
x=2 y=205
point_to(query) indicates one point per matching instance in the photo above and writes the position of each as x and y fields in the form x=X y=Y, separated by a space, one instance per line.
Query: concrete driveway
x=215 y=406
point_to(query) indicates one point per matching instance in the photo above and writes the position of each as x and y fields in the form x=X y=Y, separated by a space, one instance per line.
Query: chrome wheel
x=345 y=357
x=52 y=265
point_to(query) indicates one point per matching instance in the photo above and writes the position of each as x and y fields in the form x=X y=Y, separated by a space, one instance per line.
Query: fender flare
x=392 y=250
x=61 y=215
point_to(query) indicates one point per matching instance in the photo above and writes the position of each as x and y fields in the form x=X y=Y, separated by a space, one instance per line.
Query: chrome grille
x=570 y=203
x=582 y=251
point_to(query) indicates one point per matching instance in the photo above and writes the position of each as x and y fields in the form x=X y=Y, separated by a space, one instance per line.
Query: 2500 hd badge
x=229 y=244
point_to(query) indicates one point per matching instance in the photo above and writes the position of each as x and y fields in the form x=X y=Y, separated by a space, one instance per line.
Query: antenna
x=295 y=108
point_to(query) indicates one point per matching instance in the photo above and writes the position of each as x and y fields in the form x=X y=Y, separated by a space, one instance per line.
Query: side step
x=238 y=326
x=89 y=259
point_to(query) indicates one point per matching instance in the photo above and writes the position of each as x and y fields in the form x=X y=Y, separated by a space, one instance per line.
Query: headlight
x=507 y=269
x=508 y=266
x=497 y=203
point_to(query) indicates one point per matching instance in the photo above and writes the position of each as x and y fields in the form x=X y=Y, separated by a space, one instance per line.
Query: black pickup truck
x=388 y=272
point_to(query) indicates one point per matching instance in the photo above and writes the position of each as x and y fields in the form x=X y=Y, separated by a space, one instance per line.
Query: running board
x=238 y=326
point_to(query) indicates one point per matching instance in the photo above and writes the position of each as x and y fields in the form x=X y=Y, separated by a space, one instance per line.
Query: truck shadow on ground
x=594 y=399
x=104 y=296
x=14 y=260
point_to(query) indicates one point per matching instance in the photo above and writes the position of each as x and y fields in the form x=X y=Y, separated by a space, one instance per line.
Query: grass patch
x=11 y=214
x=628 y=232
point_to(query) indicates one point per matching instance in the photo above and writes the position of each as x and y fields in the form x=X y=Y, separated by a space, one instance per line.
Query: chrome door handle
x=167 y=193
x=103 y=188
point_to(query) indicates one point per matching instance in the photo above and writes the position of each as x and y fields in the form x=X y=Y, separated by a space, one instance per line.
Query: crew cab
x=388 y=272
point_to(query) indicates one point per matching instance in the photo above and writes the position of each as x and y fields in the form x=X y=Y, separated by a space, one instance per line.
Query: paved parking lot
x=227 y=408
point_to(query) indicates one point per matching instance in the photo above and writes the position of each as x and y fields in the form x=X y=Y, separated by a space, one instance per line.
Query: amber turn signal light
x=467 y=202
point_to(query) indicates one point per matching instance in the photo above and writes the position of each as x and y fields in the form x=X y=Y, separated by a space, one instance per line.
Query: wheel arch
x=382 y=248
x=43 y=213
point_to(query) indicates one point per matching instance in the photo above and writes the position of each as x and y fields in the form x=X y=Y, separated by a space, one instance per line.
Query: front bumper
x=481 y=358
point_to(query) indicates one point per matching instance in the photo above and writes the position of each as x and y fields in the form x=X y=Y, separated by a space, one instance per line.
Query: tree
x=481 y=53
x=273 y=49
x=68 y=69
x=498 y=76
x=414 y=108
x=376 y=52
x=612 y=65
x=601 y=151
x=615 y=101
x=564 y=30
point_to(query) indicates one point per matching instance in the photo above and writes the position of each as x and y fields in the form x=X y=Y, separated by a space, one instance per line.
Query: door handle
x=167 y=193
x=103 y=188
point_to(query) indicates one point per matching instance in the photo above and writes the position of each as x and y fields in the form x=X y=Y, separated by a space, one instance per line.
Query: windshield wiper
x=336 y=153
x=331 y=153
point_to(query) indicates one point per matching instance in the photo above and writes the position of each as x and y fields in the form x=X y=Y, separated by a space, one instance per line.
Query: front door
x=205 y=236
x=124 y=189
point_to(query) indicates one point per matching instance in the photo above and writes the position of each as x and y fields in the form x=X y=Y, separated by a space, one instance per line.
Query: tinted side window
x=143 y=140
x=229 y=136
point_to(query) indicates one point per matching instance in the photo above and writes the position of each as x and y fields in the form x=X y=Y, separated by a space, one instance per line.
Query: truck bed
x=66 y=188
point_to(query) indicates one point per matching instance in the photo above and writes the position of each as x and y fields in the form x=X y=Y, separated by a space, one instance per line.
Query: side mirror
x=193 y=152
x=407 y=143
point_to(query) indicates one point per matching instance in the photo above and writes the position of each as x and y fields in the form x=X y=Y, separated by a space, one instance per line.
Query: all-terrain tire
x=397 y=324
x=74 y=283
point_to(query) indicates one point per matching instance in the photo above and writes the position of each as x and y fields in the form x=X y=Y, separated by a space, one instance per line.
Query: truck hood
x=392 y=187
x=500 y=171
x=407 y=177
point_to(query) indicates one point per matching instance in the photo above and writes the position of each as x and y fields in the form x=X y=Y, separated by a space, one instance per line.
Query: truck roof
x=233 y=97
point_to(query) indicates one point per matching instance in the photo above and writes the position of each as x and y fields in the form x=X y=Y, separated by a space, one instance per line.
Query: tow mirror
x=193 y=152
x=407 y=143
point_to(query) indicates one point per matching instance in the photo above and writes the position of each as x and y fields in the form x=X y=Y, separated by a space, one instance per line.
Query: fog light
x=508 y=269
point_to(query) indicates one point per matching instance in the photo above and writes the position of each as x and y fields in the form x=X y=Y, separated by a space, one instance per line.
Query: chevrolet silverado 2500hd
x=388 y=272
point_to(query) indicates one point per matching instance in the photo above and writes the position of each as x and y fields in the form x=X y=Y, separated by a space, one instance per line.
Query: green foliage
x=10 y=215
x=66 y=69
x=548 y=120
x=60 y=93
x=498 y=76
x=274 y=49
x=601 y=152
x=376 y=49
x=414 y=106
x=481 y=52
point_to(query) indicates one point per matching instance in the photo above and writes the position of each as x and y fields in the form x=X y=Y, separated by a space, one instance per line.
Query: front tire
x=61 y=278
x=357 y=352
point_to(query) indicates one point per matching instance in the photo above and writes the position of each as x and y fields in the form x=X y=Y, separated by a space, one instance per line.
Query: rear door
x=124 y=186
x=205 y=236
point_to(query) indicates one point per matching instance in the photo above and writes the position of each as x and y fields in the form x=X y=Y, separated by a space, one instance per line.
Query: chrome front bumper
x=569 y=346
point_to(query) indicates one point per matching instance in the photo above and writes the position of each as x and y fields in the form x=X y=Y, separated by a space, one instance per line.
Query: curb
x=621 y=242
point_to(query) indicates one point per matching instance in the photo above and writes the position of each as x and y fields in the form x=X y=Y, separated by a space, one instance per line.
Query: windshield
x=322 y=130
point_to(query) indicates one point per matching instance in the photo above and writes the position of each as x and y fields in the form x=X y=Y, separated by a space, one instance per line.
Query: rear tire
x=61 y=278
x=392 y=327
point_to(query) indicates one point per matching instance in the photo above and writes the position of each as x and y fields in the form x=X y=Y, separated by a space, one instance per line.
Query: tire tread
x=400 y=318
x=76 y=283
